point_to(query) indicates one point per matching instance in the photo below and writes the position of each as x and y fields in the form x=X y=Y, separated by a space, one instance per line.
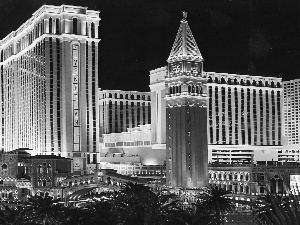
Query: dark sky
x=238 y=36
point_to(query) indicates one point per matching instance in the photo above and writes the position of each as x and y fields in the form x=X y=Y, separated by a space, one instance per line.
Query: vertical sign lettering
x=76 y=85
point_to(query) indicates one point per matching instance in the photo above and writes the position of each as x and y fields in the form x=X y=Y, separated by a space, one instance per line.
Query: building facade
x=120 y=110
x=186 y=105
x=8 y=175
x=244 y=115
x=244 y=110
x=158 y=109
x=291 y=110
x=256 y=179
x=131 y=148
x=49 y=84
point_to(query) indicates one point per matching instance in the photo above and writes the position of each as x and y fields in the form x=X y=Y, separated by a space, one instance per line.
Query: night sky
x=237 y=36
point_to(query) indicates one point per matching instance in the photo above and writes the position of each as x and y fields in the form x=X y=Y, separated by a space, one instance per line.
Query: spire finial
x=184 y=14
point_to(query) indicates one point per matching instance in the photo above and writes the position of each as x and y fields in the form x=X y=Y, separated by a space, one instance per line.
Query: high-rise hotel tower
x=49 y=84
x=186 y=113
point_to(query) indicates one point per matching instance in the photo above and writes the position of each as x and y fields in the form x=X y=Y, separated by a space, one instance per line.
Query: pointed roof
x=184 y=47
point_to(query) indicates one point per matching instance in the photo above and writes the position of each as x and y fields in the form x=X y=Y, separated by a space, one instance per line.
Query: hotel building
x=244 y=116
x=120 y=110
x=49 y=84
x=291 y=110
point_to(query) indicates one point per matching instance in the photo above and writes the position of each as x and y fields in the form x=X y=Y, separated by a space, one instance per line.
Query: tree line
x=136 y=204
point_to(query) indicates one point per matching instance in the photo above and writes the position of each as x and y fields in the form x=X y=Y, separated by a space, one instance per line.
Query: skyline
x=237 y=37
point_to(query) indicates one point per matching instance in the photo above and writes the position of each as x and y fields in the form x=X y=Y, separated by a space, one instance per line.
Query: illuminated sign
x=75 y=83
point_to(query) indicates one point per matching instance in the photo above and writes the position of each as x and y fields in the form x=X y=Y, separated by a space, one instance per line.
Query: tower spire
x=185 y=46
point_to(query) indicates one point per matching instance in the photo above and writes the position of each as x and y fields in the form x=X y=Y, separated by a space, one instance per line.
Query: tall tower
x=187 y=163
x=49 y=85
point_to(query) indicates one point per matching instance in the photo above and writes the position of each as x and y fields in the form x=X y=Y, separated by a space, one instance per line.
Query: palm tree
x=277 y=210
x=43 y=210
x=76 y=215
x=138 y=204
x=131 y=202
x=102 y=212
x=10 y=215
x=212 y=206
x=165 y=209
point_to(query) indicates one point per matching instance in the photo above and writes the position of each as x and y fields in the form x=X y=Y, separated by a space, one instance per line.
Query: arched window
x=260 y=83
x=273 y=186
x=121 y=96
x=272 y=84
x=116 y=95
x=93 y=30
x=242 y=82
x=280 y=186
x=57 y=26
x=49 y=169
x=110 y=95
x=223 y=80
x=228 y=81
x=44 y=183
x=132 y=97
x=247 y=177
x=40 y=169
x=198 y=89
x=248 y=83
x=189 y=89
x=173 y=90
x=209 y=79
x=50 y=25
x=75 y=23
x=216 y=80
x=241 y=189
x=266 y=83
x=235 y=81
x=278 y=85
x=177 y=90
x=193 y=89
x=170 y=90
x=4 y=166
x=254 y=83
